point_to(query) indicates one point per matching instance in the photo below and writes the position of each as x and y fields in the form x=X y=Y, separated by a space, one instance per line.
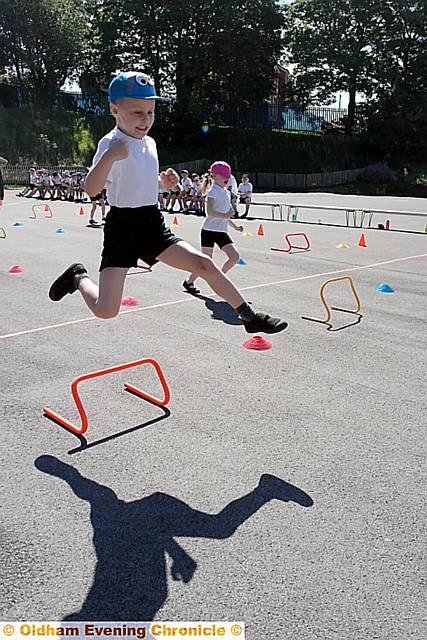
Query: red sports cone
x=81 y=212
x=362 y=241
x=16 y=269
x=260 y=231
x=46 y=207
x=257 y=343
x=130 y=302
x=174 y=222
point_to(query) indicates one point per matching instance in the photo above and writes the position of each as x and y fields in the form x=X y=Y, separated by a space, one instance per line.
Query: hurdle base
x=354 y=313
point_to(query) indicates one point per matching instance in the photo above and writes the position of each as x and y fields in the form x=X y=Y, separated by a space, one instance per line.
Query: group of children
x=190 y=193
x=58 y=186
x=126 y=164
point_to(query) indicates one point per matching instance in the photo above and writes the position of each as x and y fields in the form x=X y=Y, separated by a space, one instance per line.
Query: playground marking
x=182 y=300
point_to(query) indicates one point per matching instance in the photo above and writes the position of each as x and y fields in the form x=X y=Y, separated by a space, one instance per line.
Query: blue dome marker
x=384 y=288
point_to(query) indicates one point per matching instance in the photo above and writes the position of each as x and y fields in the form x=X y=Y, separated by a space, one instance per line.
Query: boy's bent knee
x=106 y=313
x=204 y=265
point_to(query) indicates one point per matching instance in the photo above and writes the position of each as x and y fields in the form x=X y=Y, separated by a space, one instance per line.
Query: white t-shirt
x=245 y=188
x=134 y=181
x=222 y=205
x=232 y=184
x=186 y=184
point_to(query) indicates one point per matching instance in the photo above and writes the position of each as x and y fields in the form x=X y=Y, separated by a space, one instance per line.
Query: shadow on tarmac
x=132 y=540
x=84 y=444
x=220 y=310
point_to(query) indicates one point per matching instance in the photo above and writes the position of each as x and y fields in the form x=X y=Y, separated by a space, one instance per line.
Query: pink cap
x=221 y=168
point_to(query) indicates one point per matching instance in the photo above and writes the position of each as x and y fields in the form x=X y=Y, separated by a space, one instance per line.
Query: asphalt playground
x=167 y=513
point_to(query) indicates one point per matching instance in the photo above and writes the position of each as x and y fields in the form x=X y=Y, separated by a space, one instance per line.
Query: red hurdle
x=96 y=374
x=292 y=246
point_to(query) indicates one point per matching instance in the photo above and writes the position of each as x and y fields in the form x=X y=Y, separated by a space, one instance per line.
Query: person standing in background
x=3 y=163
x=245 y=193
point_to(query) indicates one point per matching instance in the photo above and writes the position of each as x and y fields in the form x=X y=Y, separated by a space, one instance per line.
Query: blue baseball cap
x=132 y=84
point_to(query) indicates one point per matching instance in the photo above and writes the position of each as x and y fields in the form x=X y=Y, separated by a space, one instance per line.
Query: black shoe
x=280 y=490
x=264 y=324
x=244 y=215
x=66 y=282
x=92 y=221
x=190 y=288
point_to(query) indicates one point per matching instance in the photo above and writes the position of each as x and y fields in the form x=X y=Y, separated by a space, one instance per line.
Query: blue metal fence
x=261 y=116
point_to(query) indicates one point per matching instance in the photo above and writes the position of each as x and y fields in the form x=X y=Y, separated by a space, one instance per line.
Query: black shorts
x=132 y=234
x=211 y=238
x=98 y=197
x=244 y=199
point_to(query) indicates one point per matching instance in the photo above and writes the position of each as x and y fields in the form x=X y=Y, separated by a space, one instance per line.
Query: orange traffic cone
x=362 y=241
x=46 y=207
x=260 y=231
x=81 y=212
x=174 y=222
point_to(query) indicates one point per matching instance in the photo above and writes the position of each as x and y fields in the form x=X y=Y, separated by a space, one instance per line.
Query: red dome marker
x=257 y=343
x=16 y=269
x=130 y=302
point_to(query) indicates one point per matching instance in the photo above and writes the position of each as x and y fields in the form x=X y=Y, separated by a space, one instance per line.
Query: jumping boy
x=126 y=163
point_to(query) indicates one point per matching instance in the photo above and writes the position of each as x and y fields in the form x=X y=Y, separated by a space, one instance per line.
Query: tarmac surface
x=167 y=514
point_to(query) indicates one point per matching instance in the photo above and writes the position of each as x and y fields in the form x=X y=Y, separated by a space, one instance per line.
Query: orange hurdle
x=292 y=246
x=325 y=304
x=45 y=208
x=103 y=372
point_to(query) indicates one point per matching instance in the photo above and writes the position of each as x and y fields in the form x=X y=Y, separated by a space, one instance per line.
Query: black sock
x=78 y=277
x=245 y=312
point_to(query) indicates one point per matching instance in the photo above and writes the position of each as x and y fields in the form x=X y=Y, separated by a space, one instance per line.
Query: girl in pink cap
x=215 y=227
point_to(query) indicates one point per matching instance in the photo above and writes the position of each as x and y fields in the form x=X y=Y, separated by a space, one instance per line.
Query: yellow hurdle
x=328 y=308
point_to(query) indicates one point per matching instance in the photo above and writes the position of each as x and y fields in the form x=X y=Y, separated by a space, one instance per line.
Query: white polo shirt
x=222 y=205
x=186 y=184
x=245 y=188
x=134 y=181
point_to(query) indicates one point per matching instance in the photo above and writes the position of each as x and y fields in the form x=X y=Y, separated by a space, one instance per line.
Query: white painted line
x=182 y=300
x=331 y=273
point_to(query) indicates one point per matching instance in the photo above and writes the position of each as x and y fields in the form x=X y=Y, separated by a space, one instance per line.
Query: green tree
x=399 y=110
x=43 y=43
x=203 y=49
x=330 y=42
x=104 y=44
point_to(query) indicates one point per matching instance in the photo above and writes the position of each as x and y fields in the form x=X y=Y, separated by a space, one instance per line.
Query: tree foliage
x=374 y=47
x=330 y=43
x=42 y=42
